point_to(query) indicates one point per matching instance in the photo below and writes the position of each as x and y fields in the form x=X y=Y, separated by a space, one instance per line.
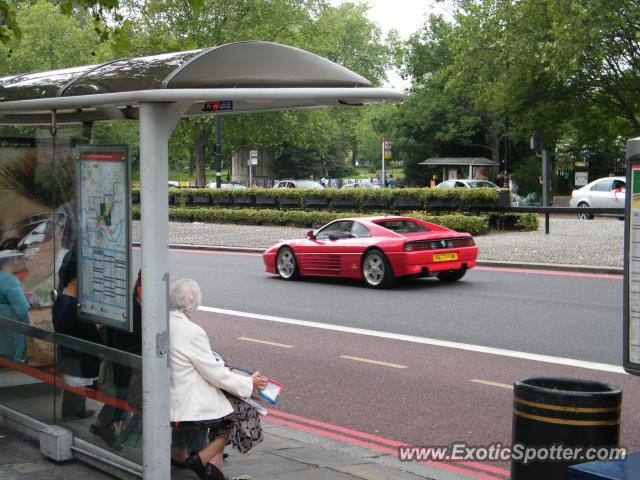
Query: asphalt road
x=388 y=391
x=395 y=390
x=548 y=313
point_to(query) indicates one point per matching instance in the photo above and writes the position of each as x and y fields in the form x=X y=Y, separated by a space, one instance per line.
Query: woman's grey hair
x=185 y=296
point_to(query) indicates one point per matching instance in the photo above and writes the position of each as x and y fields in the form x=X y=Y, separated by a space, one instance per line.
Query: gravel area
x=598 y=242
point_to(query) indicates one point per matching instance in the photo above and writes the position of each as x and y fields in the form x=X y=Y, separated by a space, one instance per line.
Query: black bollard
x=556 y=413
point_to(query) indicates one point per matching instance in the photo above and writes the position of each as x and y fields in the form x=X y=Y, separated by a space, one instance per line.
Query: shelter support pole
x=157 y=121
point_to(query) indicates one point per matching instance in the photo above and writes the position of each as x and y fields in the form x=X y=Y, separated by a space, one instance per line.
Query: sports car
x=378 y=250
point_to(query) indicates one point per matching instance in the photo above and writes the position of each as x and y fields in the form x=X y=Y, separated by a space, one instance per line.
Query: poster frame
x=633 y=164
x=127 y=323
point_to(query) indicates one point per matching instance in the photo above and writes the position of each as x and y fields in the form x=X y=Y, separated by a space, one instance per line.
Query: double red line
x=374 y=442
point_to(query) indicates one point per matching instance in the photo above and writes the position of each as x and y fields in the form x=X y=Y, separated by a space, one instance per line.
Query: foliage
x=361 y=199
x=304 y=142
x=46 y=35
x=547 y=64
x=525 y=222
x=472 y=224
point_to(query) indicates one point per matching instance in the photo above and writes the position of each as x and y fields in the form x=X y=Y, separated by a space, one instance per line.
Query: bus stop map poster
x=632 y=257
x=104 y=244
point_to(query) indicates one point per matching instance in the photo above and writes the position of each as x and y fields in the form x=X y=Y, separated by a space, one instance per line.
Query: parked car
x=290 y=183
x=225 y=185
x=174 y=184
x=378 y=250
x=473 y=183
x=362 y=185
x=607 y=192
x=467 y=183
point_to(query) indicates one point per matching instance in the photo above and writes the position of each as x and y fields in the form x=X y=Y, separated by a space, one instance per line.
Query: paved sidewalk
x=286 y=454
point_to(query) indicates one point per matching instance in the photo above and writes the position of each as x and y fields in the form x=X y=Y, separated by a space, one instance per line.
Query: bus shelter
x=65 y=192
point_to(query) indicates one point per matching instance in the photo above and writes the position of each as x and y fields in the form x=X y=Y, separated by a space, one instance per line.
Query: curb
x=560 y=267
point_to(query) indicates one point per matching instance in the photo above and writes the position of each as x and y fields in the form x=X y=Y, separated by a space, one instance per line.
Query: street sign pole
x=218 y=153
x=253 y=160
x=384 y=177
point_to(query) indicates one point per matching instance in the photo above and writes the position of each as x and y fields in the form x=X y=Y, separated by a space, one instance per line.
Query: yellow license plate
x=445 y=257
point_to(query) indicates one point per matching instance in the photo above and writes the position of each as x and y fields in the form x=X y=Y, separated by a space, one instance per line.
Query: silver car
x=607 y=192
x=473 y=183
x=290 y=183
x=362 y=185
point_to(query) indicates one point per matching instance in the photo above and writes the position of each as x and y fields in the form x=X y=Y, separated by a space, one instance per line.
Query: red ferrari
x=378 y=250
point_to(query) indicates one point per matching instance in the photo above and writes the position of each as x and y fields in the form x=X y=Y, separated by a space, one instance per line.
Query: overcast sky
x=406 y=16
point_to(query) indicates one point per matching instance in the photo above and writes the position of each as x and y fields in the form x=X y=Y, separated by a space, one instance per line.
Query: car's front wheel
x=376 y=270
x=584 y=216
x=286 y=264
x=451 y=275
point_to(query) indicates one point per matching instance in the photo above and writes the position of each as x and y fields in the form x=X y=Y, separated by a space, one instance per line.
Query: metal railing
x=547 y=211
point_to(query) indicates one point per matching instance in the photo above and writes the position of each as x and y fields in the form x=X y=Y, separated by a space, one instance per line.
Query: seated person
x=197 y=381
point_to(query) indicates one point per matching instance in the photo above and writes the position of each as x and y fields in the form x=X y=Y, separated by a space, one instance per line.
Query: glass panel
x=55 y=367
x=28 y=270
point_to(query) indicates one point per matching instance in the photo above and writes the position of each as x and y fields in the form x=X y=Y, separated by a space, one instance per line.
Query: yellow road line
x=493 y=384
x=265 y=342
x=375 y=362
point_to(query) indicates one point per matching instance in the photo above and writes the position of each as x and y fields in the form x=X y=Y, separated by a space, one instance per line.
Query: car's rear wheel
x=376 y=270
x=584 y=216
x=451 y=275
x=286 y=264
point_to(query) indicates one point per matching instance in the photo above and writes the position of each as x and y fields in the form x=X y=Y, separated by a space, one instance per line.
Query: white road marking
x=375 y=362
x=570 y=362
x=493 y=384
x=265 y=342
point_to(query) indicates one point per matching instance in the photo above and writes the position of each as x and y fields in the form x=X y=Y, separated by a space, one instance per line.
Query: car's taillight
x=409 y=247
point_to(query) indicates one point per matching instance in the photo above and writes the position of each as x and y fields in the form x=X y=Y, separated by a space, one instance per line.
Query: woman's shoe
x=211 y=472
x=177 y=464
x=194 y=464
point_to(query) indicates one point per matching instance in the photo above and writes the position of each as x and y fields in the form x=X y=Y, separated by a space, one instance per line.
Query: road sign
x=387 y=149
x=253 y=157
x=582 y=178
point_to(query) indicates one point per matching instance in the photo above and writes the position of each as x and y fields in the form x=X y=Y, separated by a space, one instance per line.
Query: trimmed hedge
x=353 y=199
x=475 y=225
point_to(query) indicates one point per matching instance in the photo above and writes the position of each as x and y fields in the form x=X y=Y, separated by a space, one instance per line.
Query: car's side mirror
x=311 y=234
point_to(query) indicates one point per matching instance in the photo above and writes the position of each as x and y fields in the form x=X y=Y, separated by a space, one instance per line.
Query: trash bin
x=561 y=412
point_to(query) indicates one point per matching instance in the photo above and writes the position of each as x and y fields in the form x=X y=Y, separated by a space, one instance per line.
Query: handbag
x=40 y=353
x=246 y=428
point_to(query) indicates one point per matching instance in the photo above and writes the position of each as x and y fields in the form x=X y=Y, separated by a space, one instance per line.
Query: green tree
x=50 y=40
x=547 y=65
x=342 y=34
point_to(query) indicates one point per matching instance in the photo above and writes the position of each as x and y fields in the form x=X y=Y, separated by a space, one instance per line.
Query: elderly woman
x=197 y=380
x=13 y=304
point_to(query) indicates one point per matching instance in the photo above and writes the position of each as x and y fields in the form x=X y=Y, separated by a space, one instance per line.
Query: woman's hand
x=259 y=382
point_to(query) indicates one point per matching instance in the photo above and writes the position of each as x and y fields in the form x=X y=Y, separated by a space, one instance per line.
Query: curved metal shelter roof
x=234 y=78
